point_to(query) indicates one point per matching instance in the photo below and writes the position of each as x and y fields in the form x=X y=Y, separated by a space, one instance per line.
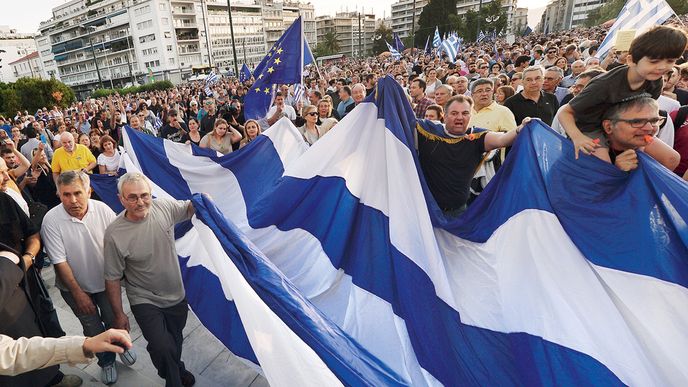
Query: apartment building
x=404 y=17
x=354 y=31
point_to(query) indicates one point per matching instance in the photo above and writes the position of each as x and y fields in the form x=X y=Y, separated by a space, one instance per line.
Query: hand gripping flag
x=285 y=66
x=639 y=15
x=525 y=291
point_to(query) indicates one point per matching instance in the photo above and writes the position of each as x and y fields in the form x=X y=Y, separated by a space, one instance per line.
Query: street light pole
x=93 y=51
x=413 y=26
x=480 y=8
x=231 y=31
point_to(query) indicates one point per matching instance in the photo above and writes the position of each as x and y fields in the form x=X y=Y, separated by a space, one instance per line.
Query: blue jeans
x=95 y=324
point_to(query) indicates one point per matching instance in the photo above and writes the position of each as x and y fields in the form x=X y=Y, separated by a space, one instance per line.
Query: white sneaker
x=108 y=374
x=128 y=357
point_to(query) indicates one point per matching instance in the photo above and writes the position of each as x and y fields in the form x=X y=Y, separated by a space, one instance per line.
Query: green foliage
x=612 y=8
x=31 y=94
x=329 y=45
x=382 y=34
x=154 y=86
x=474 y=21
x=442 y=13
x=436 y=14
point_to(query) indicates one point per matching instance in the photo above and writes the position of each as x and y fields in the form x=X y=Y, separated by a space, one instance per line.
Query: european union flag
x=283 y=65
x=244 y=74
x=398 y=44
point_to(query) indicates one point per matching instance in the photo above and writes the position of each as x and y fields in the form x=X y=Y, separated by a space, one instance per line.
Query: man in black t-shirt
x=175 y=129
x=532 y=101
x=208 y=121
x=449 y=159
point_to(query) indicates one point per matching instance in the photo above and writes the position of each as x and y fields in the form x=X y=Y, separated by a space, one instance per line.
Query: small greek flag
x=436 y=41
x=157 y=123
x=395 y=54
x=298 y=92
x=211 y=79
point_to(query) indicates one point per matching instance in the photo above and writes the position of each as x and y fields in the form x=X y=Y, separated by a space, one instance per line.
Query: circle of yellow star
x=271 y=69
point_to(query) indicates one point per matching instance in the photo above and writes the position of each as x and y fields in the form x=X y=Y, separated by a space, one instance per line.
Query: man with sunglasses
x=630 y=127
x=208 y=120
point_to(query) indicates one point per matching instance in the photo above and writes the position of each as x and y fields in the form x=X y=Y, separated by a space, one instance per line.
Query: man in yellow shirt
x=72 y=156
x=487 y=113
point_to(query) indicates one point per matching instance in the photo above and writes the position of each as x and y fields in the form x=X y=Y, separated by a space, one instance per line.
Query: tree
x=31 y=94
x=328 y=46
x=382 y=34
x=435 y=14
x=612 y=8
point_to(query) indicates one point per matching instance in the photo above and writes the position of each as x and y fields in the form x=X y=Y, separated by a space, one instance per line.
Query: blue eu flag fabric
x=244 y=74
x=282 y=65
x=398 y=44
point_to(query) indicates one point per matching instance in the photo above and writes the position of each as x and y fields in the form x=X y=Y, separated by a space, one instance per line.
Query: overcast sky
x=26 y=15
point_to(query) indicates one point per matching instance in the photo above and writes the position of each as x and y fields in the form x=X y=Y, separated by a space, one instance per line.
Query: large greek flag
x=334 y=264
x=639 y=15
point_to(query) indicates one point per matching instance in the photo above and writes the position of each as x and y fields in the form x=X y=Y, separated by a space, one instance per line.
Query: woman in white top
x=310 y=131
x=108 y=160
x=221 y=138
x=432 y=82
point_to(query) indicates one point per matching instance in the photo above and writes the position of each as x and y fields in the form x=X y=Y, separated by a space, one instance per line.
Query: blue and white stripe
x=436 y=40
x=578 y=278
x=212 y=78
x=395 y=54
x=638 y=15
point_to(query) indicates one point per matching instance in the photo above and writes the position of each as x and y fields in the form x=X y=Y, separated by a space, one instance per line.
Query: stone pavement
x=204 y=355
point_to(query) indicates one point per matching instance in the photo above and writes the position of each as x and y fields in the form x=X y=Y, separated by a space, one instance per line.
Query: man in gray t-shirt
x=139 y=250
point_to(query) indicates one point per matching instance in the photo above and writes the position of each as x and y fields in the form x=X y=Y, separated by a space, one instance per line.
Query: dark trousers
x=162 y=328
x=94 y=324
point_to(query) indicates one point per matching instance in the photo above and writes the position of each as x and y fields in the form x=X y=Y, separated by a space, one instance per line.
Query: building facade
x=28 y=66
x=135 y=41
x=13 y=46
x=566 y=14
x=354 y=32
x=509 y=6
x=404 y=18
x=520 y=21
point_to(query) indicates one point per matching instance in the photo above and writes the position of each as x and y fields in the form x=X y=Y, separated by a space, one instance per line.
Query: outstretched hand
x=112 y=340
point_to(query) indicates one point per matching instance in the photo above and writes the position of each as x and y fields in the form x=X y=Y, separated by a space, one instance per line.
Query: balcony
x=183 y=11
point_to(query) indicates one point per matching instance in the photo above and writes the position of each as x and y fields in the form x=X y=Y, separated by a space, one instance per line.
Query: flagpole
x=231 y=31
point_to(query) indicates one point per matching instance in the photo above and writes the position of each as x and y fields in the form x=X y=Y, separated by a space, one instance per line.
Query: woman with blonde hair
x=310 y=130
x=252 y=129
x=221 y=138
x=324 y=109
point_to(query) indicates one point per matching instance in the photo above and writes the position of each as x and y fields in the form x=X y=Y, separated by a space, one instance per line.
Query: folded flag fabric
x=562 y=272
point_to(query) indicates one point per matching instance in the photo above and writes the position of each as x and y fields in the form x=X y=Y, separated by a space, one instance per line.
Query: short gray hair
x=481 y=81
x=131 y=177
x=529 y=69
x=557 y=70
x=70 y=177
x=445 y=87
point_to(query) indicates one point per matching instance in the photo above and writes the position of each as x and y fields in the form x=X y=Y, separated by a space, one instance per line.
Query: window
x=169 y=48
x=165 y=21
x=168 y=35
x=142 y=10
x=144 y=25
x=171 y=60
x=162 y=6
x=150 y=51
x=147 y=38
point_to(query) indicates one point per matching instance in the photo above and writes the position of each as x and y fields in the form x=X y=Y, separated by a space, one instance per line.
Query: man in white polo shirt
x=73 y=236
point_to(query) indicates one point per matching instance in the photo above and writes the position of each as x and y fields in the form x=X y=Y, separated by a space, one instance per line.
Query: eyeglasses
x=639 y=123
x=135 y=198
x=482 y=67
x=313 y=113
x=551 y=52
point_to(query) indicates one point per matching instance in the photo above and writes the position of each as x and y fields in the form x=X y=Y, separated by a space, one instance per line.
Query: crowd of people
x=468 y=109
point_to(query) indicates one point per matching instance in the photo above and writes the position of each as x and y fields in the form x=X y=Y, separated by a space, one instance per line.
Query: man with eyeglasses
x=551 y=57
x=139 y=250
x=629 y=127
